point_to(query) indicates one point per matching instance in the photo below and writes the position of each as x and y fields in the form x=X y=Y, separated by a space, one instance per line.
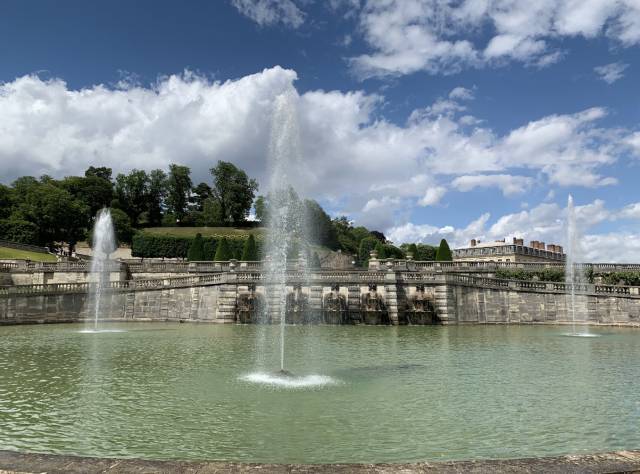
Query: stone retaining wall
x=456 y=298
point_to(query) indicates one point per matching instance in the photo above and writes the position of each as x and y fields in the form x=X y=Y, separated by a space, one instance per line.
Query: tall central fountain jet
x=284 y=222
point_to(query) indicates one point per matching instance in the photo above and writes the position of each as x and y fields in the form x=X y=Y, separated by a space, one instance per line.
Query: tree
x=132 y=192
x=211 y=213
x=260 y=207
x=100 y=172
x=223 y=251
x=413 y=250
x=196 y=250
x=366 y=246
x=199 y=194
x=233 y=190
x=6 y=201
x=156 y=194
x=57 y=215
x=380 y=250
x=319 y=227
x=122 y=226
x=18 y=230
x=379 y=235
x=93 y=191
x=178 y=189
x=444 y=252
x=250 y=250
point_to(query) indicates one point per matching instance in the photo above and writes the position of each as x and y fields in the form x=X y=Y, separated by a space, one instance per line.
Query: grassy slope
x=205 y=231
x=9 y=253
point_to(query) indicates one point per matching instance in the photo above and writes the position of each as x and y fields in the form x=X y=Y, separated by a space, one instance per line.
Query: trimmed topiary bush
x=444 y=252
x=196 y=250
x=250 y=250
x=224 y=251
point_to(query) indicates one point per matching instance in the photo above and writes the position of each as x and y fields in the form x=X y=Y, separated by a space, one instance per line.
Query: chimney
x=533 y=244
x=542 y=246
x=518 y=241
x=473 y=242
x=552 y=248
x=559 y=248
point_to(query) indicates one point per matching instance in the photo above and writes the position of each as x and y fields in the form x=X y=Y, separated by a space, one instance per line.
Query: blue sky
x=422 y=118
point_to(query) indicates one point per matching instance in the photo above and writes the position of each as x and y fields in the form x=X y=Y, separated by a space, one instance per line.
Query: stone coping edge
x=12 y=462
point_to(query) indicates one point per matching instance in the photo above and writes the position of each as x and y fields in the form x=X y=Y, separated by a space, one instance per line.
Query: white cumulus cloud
x=406 y=36
x=508 y=184
x=611 y=73
x=271 y=12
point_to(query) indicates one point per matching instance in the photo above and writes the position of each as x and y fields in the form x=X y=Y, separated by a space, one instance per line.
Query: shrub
x=548 y=274
x=149 y=245
x=224 y=251
x=18 y=230
x=250 y=250
x=196 y=250
x=444 y=252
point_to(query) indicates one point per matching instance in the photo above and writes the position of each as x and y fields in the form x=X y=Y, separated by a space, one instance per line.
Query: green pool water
x=372 y=394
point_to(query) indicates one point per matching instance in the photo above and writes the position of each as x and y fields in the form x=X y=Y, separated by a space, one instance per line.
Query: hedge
x=147 y=245
x=548 y=274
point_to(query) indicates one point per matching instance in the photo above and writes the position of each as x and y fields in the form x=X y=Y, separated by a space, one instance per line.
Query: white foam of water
x=100 y=331
x=285 y=381
x=580 y=334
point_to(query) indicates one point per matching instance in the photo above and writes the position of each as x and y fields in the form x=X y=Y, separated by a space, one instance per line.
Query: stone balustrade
x=325 y=278
x=168 y=267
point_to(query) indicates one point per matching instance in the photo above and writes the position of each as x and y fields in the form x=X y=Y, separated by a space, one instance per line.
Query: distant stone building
x=516 y=251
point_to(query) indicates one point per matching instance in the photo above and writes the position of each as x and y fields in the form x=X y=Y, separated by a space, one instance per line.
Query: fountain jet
x=104 y=244
x=574 y=274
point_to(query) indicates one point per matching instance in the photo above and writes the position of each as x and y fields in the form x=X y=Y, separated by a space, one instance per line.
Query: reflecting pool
x=354 y=393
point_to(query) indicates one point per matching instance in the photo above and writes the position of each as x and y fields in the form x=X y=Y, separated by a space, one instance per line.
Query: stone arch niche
x=420 y=307
x=251 y=306
x=335 y=309
x=297 y=306
x=373 y=309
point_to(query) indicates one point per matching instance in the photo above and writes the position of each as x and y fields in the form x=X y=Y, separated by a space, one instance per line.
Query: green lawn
x=9 y=253
x=205 y=231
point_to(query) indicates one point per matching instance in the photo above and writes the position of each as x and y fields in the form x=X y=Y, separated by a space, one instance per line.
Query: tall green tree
x=250 y=250
x=235 y=192
x=199 y=194
x=260 y=207
x=380 y=250
x=366 y=246
x=196 y=249
x=57 y=215
x=122 y=226
x=178 y=190
x=319 y=228
x=132 y=191
x=223 y=251
x=6 y=201
x=211 y=213
x=94 y=191
x=157 y=192
x=413 y=250
x=100 y=172
x=444 y=252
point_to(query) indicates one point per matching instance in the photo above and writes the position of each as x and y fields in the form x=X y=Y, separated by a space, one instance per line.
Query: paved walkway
x=620 y=461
